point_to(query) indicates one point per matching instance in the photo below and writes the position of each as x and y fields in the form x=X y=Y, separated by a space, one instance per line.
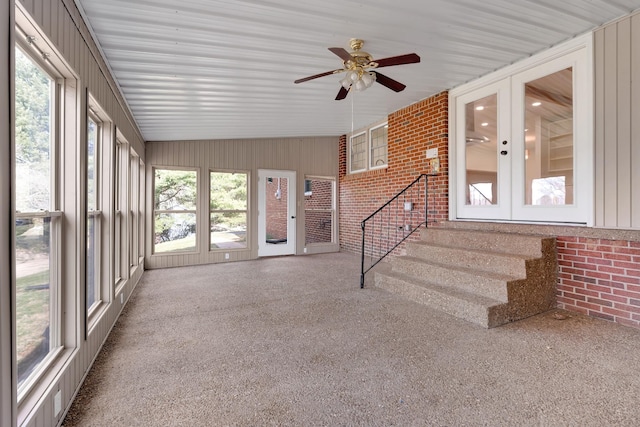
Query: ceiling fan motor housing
x=359 y=58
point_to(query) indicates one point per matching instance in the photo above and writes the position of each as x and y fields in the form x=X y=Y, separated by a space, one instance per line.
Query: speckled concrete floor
x=293 y=341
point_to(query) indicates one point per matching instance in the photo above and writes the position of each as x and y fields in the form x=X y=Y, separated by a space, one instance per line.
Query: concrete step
x=470 y=307
x=524 y=245
x=482 y=283
x=483 y=260
x=486 y=277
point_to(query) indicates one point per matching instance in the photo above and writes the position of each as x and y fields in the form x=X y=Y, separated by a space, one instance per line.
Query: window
x=134 y=199
x=93 y=253
x=38 y=218
x=141 y=211
x=174 y=216
x=358 y=152
x=120 y=190
x=319 y=211
x=378 y=147
x=368 y=150
x=228 y=210
x=118 y=185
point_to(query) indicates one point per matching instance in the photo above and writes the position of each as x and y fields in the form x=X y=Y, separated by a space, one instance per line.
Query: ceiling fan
x=358 y=65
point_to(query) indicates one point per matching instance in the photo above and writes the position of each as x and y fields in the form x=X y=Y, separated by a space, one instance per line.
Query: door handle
x=293 y=217
x=503 y=152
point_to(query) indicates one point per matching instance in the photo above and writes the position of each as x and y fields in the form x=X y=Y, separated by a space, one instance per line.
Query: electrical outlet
x=57 y=403
x=226 y=256
x=304 y=250
x=122 y=298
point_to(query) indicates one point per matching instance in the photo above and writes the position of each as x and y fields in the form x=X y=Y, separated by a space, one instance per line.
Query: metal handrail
x=406 y=232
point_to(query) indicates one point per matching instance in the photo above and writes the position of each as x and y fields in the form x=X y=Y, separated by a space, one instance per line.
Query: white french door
x=276 y=212
x=523 y=145
x=483 y=133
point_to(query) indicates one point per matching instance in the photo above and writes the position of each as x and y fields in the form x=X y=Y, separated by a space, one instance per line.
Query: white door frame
x=284 y=248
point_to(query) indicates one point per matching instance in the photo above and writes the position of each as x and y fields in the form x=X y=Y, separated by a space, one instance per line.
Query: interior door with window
x=483 y=160
x=276 y=212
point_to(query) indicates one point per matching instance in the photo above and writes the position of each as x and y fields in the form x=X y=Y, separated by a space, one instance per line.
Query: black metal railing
x=392 y=223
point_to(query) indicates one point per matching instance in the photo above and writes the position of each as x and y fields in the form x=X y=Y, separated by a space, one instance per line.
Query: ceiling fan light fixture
x=359 y=85
x=368 y=79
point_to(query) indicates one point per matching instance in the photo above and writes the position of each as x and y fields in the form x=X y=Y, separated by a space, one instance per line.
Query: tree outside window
x=174 y=219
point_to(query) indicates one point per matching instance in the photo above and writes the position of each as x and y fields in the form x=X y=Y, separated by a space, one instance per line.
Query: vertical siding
x=305 y=156
x=617 y=131
x=635 y=124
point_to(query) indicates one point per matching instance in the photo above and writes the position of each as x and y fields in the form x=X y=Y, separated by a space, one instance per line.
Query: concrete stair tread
x=479 y=251
x=473 y=271
x=454 y=292
x=527 y=245
x=470 y=307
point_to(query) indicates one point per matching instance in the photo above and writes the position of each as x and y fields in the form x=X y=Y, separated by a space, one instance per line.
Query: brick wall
x=412 y=130
x=600 y=278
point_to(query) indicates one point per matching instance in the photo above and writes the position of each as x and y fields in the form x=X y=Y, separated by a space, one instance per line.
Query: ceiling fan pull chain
x=352 y=97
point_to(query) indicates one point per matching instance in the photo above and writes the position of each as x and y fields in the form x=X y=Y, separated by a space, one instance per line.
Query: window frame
x=386 y=146
x=246 y=210
x=96 y=213
x=351 y=153
x=141 y=211
x=63 y=101
x=367 y=132
x=155 y=211
x=332 y=211
x=133 y=208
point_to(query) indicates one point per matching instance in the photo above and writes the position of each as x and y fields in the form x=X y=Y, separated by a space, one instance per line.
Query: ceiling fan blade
x=410 y=58
x=394 y=85
x=306 y=79
x=342 y=53
x=342 y=93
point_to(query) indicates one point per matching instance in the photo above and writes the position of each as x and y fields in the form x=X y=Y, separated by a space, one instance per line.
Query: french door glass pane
x=549 y=140
x=481 y=135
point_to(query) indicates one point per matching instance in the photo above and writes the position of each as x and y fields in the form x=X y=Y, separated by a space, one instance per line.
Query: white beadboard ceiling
x=224 y=69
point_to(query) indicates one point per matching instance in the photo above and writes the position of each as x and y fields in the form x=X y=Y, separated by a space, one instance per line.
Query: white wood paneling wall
x=307 y=156
x=617 y=124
